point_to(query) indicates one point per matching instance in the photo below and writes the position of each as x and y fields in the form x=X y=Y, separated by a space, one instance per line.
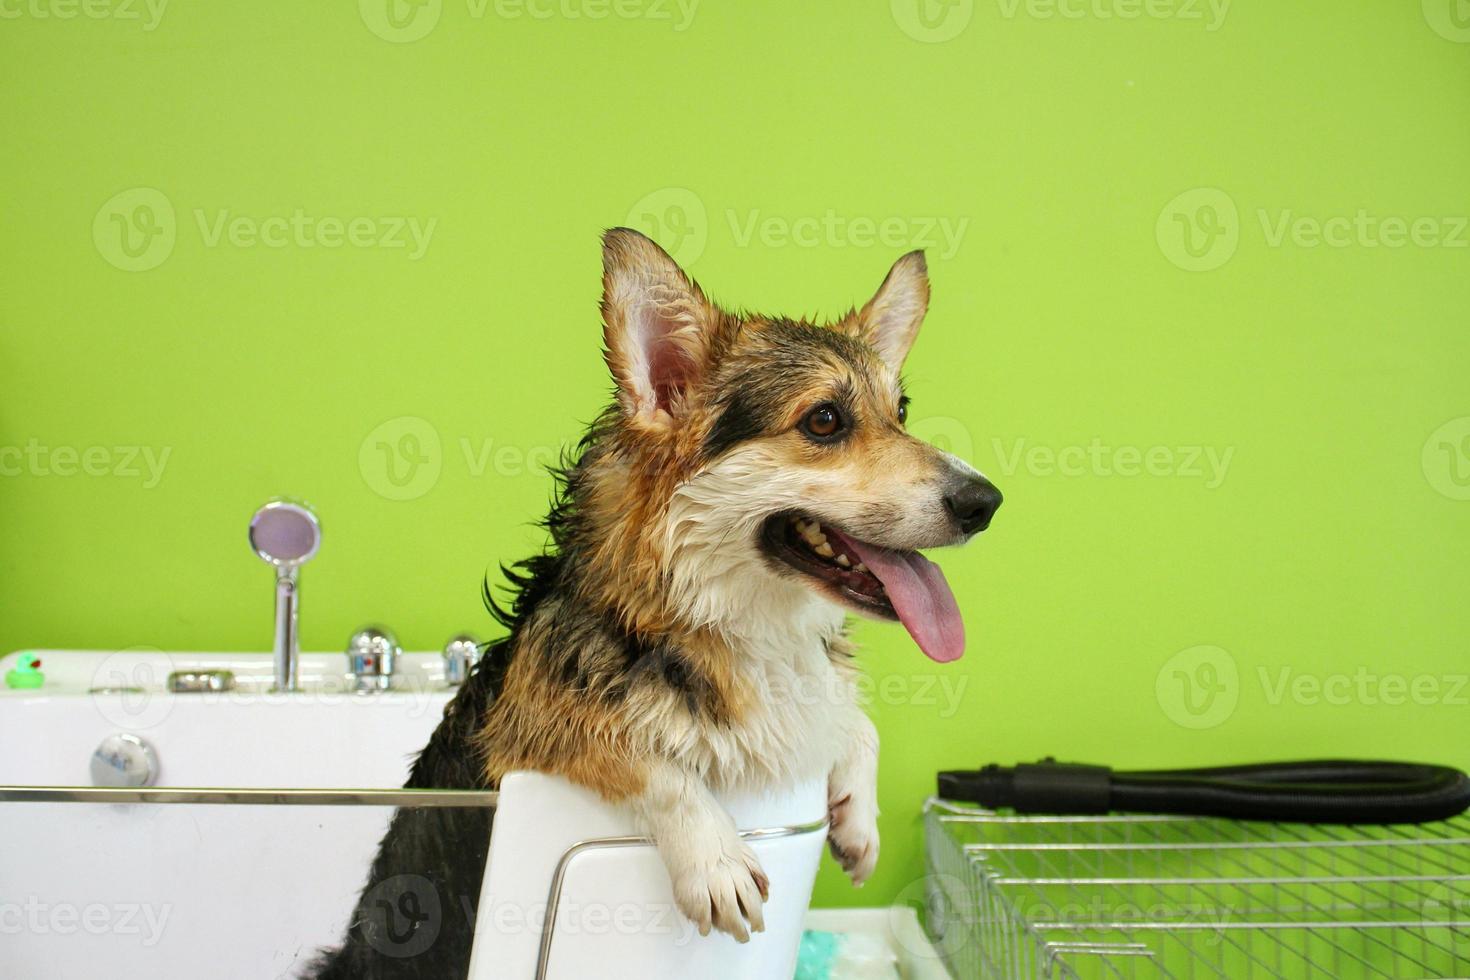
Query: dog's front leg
x=852 y=800
x=717 y=880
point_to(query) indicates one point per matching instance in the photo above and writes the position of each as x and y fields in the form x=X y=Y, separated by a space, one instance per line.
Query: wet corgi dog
x=751 y=486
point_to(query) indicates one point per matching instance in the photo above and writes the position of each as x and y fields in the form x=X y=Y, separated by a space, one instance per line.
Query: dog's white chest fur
x=795 y=722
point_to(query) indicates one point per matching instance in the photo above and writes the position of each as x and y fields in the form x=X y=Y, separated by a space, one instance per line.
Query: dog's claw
x=763 y=883
x=725 y=894
x=853 y=837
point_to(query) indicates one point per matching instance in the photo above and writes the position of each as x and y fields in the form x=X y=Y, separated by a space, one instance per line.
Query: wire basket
x=1080 y=897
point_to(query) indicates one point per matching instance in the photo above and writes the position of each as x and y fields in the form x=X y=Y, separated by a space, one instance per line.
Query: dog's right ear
x=656 y=326
x=890 y=321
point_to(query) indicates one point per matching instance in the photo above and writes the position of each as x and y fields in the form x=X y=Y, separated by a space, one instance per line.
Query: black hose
x=1323 y=791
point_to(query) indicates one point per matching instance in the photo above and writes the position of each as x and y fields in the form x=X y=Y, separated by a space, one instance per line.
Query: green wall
x=1236 y=233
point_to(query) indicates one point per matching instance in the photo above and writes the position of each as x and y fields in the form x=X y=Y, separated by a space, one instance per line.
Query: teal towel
x=818 y=953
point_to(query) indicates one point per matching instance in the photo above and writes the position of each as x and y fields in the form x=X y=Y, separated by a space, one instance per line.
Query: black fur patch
x=740 y=420
x=662 y=663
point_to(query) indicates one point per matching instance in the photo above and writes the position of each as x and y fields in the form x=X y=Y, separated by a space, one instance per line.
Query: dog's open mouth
x=891 y=584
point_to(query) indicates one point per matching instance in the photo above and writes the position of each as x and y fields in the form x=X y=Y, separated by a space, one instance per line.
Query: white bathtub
x=225 y=890
x=322 y=737
x=195 y=891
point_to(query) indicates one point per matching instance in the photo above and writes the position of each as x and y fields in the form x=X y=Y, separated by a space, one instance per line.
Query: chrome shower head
x=286 y=535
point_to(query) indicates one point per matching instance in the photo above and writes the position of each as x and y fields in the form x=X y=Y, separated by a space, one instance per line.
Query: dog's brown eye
x=822 y=423
x=903 y=413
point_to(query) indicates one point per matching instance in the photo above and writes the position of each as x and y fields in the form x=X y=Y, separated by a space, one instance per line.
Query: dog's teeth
x=843 y=561
x=824 y=549
x=860 y=567
x=813 y=534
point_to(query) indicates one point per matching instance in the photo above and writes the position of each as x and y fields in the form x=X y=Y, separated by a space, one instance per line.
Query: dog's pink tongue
x=921 y=597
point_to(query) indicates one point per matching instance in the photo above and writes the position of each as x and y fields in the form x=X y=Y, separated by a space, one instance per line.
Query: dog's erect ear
x=656 y=326
x=890 y=321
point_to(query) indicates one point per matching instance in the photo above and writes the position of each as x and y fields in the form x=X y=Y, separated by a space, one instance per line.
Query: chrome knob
x=124 y=760
x=460 y=654
x=372 y=656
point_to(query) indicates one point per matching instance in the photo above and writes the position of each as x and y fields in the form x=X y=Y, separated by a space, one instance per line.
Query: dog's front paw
x=723 y=888
x=852 y=834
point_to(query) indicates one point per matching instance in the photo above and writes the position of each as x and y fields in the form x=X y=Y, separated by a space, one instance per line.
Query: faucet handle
x=372 y=656
x=460 y=654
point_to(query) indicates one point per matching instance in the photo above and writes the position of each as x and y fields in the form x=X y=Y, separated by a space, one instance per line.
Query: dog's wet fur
x=657 y=647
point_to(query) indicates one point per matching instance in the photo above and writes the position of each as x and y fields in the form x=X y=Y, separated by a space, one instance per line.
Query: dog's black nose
x=973 y=503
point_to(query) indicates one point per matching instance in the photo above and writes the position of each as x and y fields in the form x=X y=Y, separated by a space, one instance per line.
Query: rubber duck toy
x=26 y=674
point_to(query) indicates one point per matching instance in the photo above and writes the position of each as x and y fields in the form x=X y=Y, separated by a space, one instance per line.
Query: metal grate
x=1182 y=897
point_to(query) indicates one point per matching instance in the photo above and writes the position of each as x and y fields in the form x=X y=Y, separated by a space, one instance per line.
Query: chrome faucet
x=460 y=654
x=372 y=659
x=286 y=535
